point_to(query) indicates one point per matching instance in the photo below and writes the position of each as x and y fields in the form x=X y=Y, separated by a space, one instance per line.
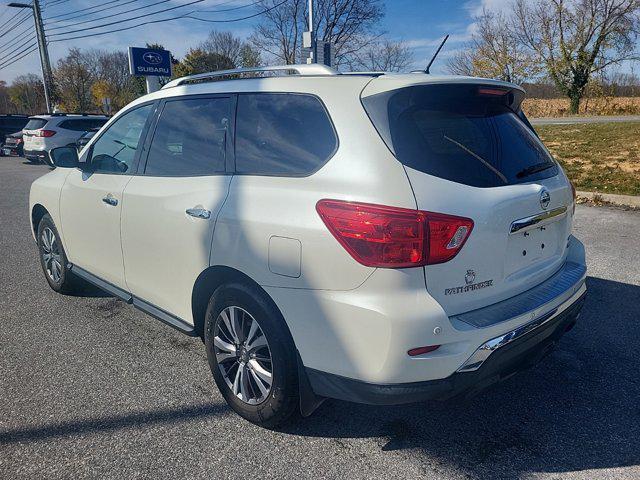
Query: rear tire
x=254 y=366
x=53 y=258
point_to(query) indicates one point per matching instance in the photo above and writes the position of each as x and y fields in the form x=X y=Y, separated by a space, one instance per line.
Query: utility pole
x=308 y=38
x=42 y=46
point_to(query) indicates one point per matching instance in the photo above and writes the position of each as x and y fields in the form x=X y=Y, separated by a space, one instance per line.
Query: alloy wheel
x=243 y=355
x=51 y=255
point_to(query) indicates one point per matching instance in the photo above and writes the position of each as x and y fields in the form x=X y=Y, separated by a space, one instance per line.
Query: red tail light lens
x=46 y=133
x=391 y=237
x=422 y=350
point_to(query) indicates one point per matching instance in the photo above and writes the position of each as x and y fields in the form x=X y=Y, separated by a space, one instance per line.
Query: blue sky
x=421 y=23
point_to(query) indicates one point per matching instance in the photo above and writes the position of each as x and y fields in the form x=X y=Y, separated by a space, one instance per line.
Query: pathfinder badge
x=469 y=278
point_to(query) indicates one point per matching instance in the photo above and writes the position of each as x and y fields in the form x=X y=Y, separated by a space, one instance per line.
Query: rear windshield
x=35 y=123
x=464 y=133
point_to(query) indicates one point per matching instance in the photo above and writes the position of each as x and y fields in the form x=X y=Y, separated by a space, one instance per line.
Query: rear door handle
x=199 y=212
x=110 y=200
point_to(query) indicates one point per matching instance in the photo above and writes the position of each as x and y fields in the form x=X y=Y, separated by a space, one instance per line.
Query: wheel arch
x=206 y=284
x=37 y=212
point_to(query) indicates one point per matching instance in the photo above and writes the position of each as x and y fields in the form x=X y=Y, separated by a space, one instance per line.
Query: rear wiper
x=478 y=157
x=538 y=167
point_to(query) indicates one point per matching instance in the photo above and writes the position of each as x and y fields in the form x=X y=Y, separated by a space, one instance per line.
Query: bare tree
x=575 y=39
x=384 y=55
x=240 y=52
x=74 y=75
x=350 y=25
x=495 y=52
x=27 y=93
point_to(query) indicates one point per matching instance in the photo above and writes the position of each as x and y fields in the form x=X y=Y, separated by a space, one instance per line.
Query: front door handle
x=110 y=200
x=199 y=212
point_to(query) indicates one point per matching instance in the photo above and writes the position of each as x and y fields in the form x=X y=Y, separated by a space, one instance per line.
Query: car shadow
x=105 y=424
x=577 y=410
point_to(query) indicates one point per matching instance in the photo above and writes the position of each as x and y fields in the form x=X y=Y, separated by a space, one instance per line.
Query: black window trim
x=230 y=143
x=290 y=175
x=143 y=136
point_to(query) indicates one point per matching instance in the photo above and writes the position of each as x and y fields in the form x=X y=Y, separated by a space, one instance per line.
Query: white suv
x=376 y=238
x=44 y=132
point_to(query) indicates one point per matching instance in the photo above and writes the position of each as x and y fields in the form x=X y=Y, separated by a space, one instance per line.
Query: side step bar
x=140 y=304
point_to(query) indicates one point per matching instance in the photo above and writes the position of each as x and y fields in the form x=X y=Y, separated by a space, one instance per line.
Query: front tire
x=53 y=258
x=251 y=355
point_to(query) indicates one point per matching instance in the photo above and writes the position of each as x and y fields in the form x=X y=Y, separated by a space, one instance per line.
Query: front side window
x=282 y=134
x=115 y=150
x=190 y=138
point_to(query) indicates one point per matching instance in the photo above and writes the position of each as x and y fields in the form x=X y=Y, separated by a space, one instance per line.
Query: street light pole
x=42 y=46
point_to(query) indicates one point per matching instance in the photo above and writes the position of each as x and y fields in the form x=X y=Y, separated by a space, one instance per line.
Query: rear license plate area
x=532 y=246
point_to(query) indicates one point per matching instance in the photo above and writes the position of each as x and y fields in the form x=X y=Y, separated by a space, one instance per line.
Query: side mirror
x=64 y=157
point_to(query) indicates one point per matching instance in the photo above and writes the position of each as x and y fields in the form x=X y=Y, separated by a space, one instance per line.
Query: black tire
x=282 y=401
x=62 y=279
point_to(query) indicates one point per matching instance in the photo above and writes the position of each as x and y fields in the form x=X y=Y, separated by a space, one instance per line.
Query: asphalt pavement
x=92 y=388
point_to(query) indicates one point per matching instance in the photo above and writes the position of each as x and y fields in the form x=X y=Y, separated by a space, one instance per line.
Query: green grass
x=598 y=157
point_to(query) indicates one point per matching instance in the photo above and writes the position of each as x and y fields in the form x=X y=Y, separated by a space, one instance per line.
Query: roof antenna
x=426 y=70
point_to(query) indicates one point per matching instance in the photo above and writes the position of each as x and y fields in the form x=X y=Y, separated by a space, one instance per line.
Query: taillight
x=46 y=133
x=391 y=237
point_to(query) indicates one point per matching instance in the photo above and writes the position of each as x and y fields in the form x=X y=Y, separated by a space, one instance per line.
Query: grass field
x=559 y=107
x=601 y=157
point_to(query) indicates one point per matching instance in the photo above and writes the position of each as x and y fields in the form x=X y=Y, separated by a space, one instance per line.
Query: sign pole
x=153 y=84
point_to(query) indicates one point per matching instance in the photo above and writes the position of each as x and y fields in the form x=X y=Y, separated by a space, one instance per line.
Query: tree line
x=555 y=47
x=84 y=77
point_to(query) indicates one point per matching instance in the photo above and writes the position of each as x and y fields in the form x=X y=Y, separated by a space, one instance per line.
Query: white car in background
x=375 y=238
x=45 y=132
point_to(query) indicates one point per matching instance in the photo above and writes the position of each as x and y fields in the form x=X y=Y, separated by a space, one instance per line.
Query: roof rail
x=304 y=69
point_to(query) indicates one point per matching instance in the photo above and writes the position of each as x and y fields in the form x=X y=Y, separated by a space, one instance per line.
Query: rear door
x=170 y=210
x=467 y=153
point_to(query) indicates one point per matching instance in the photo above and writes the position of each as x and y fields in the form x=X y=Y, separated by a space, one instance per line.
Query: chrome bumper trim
x=538 y=220
x=475 y=361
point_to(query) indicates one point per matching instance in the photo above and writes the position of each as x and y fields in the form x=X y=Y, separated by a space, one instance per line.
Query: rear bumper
x=40 y=155
x=502 y=362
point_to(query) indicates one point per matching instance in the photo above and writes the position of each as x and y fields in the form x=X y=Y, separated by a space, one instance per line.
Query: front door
x=91 y=199
x=170 y=210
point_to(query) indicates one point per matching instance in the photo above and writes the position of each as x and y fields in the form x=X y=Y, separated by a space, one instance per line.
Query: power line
x=15 y=25
x=22 y=55
x=21 y=36
x=110 y=16
x=183 y=16
x=7 y=55
x=17 y=35
x=17 y=13
x=35 y=49
x=88 y=8
x=149 y=6
x=192 y=2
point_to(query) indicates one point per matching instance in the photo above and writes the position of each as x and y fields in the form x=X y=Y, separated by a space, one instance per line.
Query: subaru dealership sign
x=149 y=62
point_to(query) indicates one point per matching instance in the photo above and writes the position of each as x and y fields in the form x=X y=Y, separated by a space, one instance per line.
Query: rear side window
x=282 y=134
x=82 y=125
x=463 y=133
x=35 y=124
x=190 y=138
